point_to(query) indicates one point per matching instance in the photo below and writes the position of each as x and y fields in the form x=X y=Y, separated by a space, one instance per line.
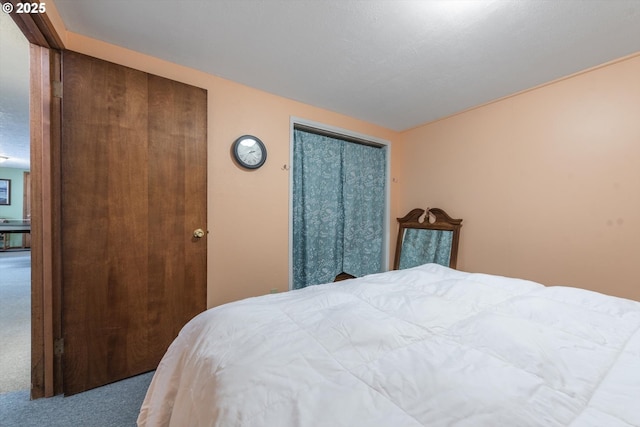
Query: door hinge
x=58 y=347
x=56 y=87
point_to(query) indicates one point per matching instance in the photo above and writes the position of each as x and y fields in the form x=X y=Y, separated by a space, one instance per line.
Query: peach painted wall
x=248 y=212
x=546 y=181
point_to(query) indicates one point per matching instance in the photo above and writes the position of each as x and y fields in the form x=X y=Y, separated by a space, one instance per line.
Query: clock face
x=249 y=152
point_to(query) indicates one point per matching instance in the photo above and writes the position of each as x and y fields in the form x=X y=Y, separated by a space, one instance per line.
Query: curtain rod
x=336 y=135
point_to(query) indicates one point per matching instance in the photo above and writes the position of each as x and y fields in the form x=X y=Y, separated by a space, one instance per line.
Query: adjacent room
x=15 y=211
x=419 y=212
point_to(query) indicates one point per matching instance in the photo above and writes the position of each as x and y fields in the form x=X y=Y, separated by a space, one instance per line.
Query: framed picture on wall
x=5 y=191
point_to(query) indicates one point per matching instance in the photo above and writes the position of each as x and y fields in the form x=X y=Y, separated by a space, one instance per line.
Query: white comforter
x=428 y=346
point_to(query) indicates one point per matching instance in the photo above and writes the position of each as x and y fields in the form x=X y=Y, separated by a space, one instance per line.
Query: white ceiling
x=395 y=63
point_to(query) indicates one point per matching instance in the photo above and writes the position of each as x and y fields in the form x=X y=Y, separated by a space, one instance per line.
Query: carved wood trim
x=442 y=221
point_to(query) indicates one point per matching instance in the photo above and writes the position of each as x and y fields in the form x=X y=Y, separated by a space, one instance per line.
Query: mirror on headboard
x=434 y=239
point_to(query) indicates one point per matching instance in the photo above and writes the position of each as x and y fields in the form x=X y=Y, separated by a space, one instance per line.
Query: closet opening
x=339 y=204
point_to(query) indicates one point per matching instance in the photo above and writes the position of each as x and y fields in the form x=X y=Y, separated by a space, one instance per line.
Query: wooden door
x=133 y=191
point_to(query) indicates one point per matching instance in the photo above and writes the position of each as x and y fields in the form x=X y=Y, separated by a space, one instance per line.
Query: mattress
x=426 y=346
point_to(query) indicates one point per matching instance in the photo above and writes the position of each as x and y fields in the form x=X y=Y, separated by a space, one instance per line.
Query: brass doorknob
x=198 y=233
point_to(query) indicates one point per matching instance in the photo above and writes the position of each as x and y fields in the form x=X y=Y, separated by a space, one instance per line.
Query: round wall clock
x=249 y=152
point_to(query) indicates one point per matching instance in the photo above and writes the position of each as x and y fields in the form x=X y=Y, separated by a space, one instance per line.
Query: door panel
x=133 y=190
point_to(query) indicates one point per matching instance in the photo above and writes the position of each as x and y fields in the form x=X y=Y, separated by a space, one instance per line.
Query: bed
x=425 y=346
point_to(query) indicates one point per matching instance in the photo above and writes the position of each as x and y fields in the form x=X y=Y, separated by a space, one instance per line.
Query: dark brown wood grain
x=45 y=137
x=132 y=193
x=38 y=117
x=44 y=111
x=177 y=120
x=54 y=252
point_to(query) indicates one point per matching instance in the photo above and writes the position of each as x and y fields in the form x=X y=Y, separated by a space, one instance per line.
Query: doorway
x=47 y=344
x=15 y=256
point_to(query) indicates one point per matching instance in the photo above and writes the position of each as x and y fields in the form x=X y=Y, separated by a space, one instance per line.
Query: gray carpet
x=15 y=321
x=114 y=405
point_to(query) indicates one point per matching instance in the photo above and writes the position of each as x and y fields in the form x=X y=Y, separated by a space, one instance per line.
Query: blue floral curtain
x=421 y=246
x=338 y=208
